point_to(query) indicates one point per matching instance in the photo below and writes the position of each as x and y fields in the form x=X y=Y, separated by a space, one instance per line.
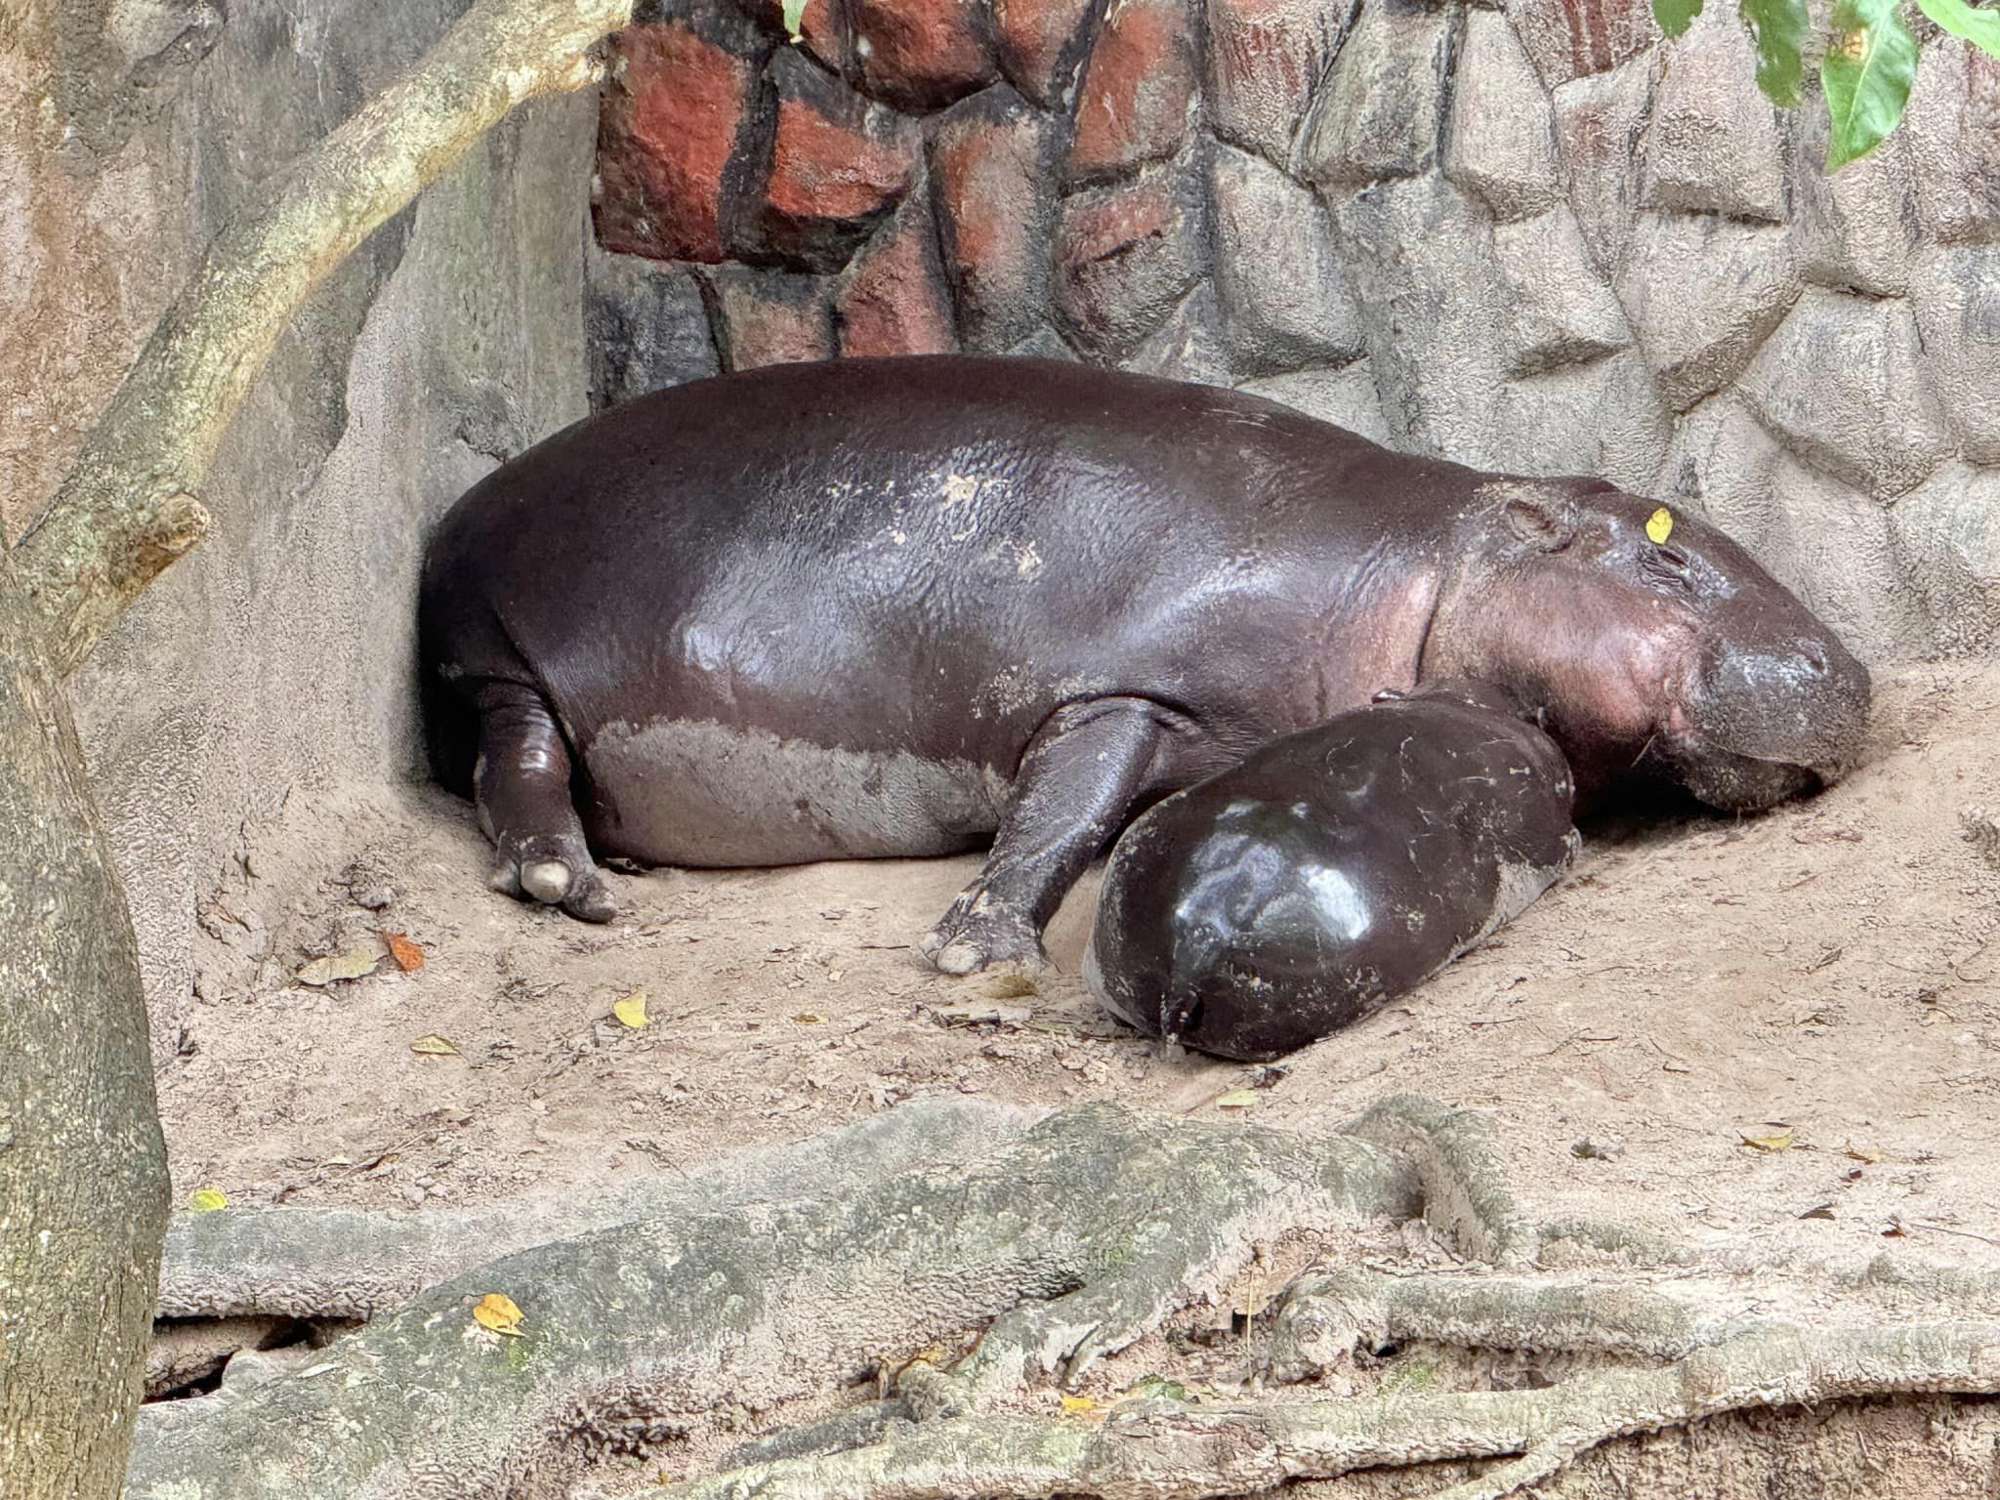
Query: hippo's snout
x=1768 y=721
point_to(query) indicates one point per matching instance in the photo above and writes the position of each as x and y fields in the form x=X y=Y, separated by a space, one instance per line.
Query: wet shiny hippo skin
x=1332 y=871
x=905 y=606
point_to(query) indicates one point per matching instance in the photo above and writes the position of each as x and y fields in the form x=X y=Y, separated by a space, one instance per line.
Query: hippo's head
x=1677 y=657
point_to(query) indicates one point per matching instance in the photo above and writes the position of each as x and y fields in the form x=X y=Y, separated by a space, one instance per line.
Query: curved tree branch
x=129 y=508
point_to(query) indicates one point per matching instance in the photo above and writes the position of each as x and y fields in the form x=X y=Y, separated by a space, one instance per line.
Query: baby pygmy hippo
x=1331 y=871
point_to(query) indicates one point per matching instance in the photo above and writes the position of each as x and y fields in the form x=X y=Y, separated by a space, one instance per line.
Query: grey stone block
x=1830 y=545
x=1377 y=115
x=1713 y=145
x=1842 y=384
x=1603 y=418
x=1701 y=294
x=1501 y=144
x=1599 y=121
x=1721 y=464
x=1568 y=39
x=1126 y=254
x=1855 y=227
x=1951 y=132
x=1559 y=309
x=1283 y=295
x=1345 y=397
x=1190 y=345
x=1433 y=310
x=1835 y=549
x=1948 y=546
x=646 y=328
x=1264 y=56
x=1957 y=297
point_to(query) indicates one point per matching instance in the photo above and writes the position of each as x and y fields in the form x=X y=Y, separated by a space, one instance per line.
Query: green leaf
x=795 y=18
x=1979 y=27
x=1870 y=63
x=1675 y=16
x=1780 y=28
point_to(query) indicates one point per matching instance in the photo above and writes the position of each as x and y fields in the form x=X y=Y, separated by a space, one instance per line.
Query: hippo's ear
x=1544 y=521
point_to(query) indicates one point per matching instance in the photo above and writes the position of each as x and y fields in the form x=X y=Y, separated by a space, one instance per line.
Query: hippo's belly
x=703 y=793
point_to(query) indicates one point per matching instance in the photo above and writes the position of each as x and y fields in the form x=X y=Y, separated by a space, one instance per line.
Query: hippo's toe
x=546 y=880
x=979 y=932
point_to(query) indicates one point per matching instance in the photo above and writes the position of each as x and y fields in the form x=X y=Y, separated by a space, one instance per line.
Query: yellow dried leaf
x=810 y=1018
x=1078 y=1406
x=1780 y=1142
x=1660 y=526
x=355 y=963
x=631 y=1011
x=433 y=1045
x=496 y=1310
x=409 y=957
x=208 y=1200
x=1869 y=1154
x=1237 y=1099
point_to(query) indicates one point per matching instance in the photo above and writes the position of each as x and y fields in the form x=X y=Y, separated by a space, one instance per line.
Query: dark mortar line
x=1454 y=41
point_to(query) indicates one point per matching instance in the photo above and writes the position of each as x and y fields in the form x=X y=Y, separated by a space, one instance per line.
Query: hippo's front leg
x=1081 y=774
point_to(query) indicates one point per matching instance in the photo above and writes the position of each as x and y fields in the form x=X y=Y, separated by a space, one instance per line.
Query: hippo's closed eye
x=1667 y=566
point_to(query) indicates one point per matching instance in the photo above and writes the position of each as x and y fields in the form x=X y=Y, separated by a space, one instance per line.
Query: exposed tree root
x=1167 y=1451
x=856 y=1257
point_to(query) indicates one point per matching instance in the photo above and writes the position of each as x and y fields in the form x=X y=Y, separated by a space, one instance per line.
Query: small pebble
x=413 y=1195
x=1600 y=1147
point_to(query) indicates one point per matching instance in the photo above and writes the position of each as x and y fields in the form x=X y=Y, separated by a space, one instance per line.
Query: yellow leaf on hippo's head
x=1660 y=526
x=631 y=1011
x=208 y=1200
x=496 y=1310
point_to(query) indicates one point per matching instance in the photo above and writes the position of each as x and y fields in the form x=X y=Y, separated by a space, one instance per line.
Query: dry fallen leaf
x=1869 y=1154
x=982 y=1013
x=631 y=1011
x=810 y=1018
x=208 y=1200
x=355 y=963
x=409 y=957
x=433 y=1045
x=1237 y=1099
x=497 y=1311
x=1079 y=1406
x=1770 y=1143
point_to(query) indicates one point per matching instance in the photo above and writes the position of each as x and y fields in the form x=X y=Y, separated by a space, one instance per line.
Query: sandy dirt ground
x=1824 y=979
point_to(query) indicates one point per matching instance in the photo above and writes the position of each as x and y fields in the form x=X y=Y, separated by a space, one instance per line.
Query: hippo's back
x=912 y=561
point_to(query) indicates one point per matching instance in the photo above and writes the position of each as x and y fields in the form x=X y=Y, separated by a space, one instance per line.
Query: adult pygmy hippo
x=1332 y=871
x=897 y=606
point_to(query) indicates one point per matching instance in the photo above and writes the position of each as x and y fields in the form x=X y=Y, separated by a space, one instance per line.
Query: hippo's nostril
x=1815 y=659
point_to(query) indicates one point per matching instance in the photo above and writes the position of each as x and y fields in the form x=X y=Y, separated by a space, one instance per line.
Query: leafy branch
x=1867 y=58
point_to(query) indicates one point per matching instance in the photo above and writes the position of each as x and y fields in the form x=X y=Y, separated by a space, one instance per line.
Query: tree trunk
x=83 y=1171
x=82 y=1166
x=129 y=508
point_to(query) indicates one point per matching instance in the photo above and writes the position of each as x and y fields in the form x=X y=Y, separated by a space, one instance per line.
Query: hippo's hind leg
x=521 y=786
x=1079 y=779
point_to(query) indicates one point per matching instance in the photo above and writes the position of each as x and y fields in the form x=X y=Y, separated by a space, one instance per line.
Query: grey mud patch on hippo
x=697 y=792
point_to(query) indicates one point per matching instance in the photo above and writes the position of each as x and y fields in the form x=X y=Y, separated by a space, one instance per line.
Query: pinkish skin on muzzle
x=1680 y=660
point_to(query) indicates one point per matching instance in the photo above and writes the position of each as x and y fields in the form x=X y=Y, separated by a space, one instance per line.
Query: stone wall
x=1538 y=239
x=277 y=659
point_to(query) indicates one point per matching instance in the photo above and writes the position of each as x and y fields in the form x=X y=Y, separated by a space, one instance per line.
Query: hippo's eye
x=1668 y=567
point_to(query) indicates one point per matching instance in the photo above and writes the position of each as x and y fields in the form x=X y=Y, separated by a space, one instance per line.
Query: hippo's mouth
x=1730 y=780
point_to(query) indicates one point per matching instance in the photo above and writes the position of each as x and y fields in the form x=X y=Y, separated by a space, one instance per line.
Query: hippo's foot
x=555 y=872
x=982 y=930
